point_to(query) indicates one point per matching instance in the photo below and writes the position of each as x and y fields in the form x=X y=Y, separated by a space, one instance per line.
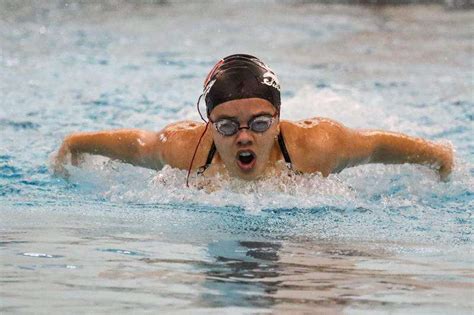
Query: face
x=245 y=154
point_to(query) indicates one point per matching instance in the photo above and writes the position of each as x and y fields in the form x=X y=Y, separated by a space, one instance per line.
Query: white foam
x=305 y=191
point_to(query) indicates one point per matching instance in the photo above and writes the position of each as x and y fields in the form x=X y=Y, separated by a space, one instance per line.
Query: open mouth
x=246 y=160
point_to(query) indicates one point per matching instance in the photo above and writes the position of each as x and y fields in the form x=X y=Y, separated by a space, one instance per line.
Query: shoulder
x=183 y=127
x=180 y=133
x=176 y=142
x=172 y=134
x=317 y=129
x=314 y=143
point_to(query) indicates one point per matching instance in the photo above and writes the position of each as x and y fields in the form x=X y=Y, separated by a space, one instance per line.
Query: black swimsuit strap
x=283 y=149
x=210 y=156
x=212 y=152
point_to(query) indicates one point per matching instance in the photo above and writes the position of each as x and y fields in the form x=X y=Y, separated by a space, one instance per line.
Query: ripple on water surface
x=370 y=239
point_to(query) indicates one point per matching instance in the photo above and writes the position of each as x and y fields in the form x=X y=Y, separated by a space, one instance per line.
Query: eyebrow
x=226 y=117
x=235 y=118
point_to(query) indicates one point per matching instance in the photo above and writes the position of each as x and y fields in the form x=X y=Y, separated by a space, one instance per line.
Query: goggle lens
x=261 y=123
x=229 y=127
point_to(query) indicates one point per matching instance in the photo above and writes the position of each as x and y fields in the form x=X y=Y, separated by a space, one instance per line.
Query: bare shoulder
x=313 y=143
x=313 y=129
x=181 y=133
x=176 y=143
x=184 y=126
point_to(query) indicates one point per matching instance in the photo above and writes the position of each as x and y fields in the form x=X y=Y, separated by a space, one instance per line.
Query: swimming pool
x=117 y=238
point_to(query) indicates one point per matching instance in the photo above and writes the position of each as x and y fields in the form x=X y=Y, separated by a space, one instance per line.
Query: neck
x=275 y=153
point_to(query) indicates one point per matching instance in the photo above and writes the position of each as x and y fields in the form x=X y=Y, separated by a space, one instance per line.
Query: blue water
x=117 y=238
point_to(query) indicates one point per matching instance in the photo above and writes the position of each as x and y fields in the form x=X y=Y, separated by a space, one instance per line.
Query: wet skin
x=315 y=145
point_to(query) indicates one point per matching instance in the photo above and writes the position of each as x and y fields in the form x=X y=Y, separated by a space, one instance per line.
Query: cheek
x=272 y=133
x=223 y=145
x=265 y=141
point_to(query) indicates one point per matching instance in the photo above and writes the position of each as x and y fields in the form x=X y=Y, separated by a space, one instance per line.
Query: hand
x=447 y=162
x=62 y=157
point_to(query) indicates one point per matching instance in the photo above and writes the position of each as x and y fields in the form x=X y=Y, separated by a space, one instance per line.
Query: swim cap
x=240 y=76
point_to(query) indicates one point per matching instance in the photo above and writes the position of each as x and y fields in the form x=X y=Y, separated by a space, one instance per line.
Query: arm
x=127 y=145
x=395 y=148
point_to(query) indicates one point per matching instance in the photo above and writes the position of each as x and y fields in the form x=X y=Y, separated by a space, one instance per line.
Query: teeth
x=245 y=154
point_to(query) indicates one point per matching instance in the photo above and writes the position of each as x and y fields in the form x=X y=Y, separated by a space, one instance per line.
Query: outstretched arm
x=395 y=148
x=128 y=145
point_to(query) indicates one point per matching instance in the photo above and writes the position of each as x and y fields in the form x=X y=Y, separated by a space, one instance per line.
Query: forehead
x=246 y=107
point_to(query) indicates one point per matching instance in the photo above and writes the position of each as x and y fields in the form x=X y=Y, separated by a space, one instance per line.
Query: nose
x=244 y=137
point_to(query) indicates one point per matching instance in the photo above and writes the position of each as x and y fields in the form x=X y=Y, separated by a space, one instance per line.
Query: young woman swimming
x=245 y=138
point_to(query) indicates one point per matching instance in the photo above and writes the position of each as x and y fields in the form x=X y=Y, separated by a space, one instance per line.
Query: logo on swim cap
x=269 y=77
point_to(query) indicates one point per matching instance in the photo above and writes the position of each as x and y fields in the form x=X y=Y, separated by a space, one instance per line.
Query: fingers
x=447 y=163
x=60 y=171
x=444 y=173
x=62 y=158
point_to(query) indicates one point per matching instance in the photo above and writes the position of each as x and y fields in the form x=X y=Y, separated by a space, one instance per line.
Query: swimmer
x=245 y=138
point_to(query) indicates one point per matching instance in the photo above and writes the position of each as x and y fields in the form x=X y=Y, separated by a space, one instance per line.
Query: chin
x=249 y=175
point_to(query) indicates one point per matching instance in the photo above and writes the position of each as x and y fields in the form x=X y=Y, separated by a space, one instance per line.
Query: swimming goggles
x=229 y=127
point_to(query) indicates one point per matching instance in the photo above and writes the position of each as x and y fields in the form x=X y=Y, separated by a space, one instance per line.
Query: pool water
x=117 y=238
